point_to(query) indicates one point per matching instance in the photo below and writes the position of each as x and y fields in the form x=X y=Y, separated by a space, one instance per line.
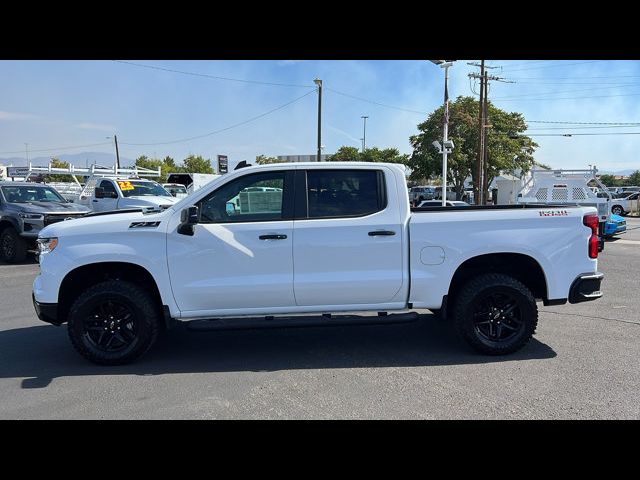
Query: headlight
x=46 y=245
x=31 y=216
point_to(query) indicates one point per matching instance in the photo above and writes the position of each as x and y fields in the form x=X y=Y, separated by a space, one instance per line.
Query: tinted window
x=252 y=198
x=108 y=186
x=25 y=194
x=340 y=193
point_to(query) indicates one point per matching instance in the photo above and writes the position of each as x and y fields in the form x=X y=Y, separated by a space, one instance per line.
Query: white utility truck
x=566 y=187
x=322 y=239
x=104 y=189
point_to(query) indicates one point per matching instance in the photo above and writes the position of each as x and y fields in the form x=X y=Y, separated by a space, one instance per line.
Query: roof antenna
x=242 y=164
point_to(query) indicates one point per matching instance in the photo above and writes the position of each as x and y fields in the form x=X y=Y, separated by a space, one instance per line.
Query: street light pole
x=446 y=148
x=364 y=135
x=318 y=82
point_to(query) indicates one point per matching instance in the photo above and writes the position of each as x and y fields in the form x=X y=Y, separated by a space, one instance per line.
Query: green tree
x=196 y=164
x=153 y=163
x=55 y=177
x=610 y=180
x=374 y=154
x=345 y=154
x=264 y=160
x=634 y=178
x=508 y=148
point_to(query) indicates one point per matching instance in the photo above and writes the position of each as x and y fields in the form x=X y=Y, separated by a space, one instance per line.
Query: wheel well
x=78 y=280
x=519 y=266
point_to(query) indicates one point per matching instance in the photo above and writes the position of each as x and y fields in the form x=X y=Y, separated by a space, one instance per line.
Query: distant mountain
x=77 y=159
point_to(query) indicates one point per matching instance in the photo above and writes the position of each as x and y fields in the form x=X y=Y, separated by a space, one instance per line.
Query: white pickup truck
x=311 y=238
x=124 y=193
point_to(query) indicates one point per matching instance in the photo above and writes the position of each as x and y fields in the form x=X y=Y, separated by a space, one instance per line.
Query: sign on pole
x=223 y=164
x=17 y=171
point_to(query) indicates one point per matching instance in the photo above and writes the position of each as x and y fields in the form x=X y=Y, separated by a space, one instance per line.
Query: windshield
x=26 y=194
x=133 y=188
x=173 y=189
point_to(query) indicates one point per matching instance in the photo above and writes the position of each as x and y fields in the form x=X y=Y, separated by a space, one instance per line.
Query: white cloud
x=96 y=126
x=342 y=132
x=16 y=116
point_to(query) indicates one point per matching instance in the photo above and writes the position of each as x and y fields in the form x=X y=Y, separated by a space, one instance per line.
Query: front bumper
x=586 y=287
x=47 y=312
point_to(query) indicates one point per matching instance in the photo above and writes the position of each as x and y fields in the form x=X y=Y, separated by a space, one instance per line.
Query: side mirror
x=99 y=192
x=189 y=217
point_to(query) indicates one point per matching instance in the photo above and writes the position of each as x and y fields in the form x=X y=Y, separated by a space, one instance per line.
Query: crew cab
x=123 y=193
x=311 y=238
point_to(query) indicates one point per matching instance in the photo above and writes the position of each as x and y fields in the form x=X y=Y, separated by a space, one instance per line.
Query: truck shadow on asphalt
x=40 y=354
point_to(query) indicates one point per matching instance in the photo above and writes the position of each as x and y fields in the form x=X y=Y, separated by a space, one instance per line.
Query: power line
x=552 y=66
x=567 y=91
x=583 y=123
x=580 y=77
x=569 y=98
x=58 y=148
x=570 y=134
x=216 y=77
x=581 y=128
x=222 y=129
x=375 y=103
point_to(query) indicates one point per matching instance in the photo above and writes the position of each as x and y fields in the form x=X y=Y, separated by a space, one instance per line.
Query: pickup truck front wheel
x=495 y=314
x=113 y=322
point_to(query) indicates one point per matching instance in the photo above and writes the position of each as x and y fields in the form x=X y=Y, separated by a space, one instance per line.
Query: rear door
x=348 y=237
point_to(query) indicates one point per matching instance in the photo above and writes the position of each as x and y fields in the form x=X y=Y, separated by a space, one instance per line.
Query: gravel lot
x=581 y=364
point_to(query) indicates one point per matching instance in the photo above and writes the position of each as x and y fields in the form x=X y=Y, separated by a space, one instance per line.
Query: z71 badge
x=553 y=213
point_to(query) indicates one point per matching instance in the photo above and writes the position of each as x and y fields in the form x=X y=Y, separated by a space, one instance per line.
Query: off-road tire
x=13 y=248
x=478 y=290
x=144 y=312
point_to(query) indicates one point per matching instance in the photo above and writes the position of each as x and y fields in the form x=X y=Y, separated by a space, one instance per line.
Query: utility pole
x=115 y=139
x=481 y=183
x=485 y=159
x=26 y=149
x=364 y=135
x=478 y=183
x=318 y=82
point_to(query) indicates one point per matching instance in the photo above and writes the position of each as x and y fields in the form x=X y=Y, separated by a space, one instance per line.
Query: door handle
x=381 y=232
x=272 y=237
x=96 y=201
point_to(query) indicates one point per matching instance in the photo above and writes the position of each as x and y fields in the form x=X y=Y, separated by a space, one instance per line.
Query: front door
x=105 y=204
x=241 y=254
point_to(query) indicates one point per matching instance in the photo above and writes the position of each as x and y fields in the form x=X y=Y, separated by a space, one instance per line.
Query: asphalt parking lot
x=581 y=364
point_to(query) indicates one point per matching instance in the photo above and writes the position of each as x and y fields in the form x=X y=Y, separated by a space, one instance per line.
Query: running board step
x=207 y=325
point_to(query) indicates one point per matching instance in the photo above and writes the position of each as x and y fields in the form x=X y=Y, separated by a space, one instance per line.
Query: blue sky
x=59 y=104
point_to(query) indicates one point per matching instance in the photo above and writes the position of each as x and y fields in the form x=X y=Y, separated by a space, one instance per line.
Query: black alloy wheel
x=111 y=326
x=497 y=316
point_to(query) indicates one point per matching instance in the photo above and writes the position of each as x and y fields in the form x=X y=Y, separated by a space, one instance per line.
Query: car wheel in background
x=13 y=248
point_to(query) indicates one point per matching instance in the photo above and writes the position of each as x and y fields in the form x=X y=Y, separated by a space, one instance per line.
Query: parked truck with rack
x=330 y=238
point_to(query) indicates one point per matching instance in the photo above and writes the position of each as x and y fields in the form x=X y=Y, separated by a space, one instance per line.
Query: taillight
x=592 y=221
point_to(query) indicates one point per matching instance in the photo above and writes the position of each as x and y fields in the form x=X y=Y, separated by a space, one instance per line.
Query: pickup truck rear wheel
x=495 y=314
x=113 y=322
x=12 y=246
